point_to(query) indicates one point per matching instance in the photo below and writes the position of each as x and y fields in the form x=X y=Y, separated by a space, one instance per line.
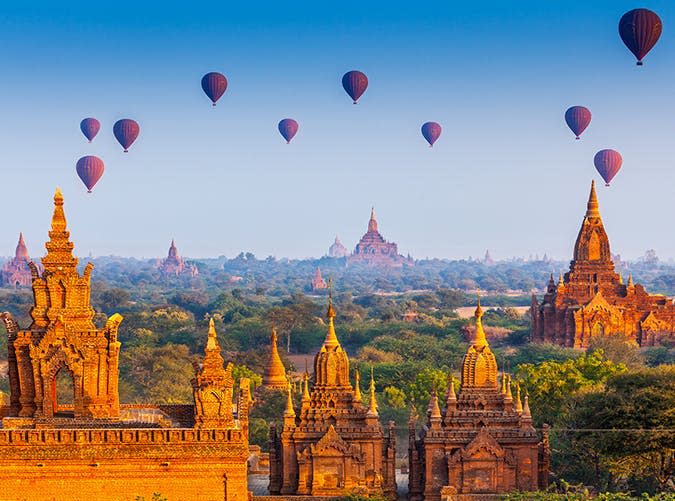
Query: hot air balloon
x=431 y=132
x=126 y=131
x=355 y=84
x=214 y=85
x=90 y=127
x=640 y=29
x=578 y=118
x=288 y=128
x=90 y=169
x=608 y=163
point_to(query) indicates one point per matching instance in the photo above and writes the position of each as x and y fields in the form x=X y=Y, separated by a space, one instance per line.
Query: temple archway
x=63 y=393
x=598 y=330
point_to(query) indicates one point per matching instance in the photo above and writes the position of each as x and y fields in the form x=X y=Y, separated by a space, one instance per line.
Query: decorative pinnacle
x=372 y=410
x=526 y=408
x=630 y=281
x=592 y=208
x=519 y=404
x=289 y=412
x=212 y=342
x=58 y=218
x=479 y=339
x=357 y=385
x=305 y=388
x=331 y=339
x=435 y=409
x=504 y=383
x=451 y=395
x=509 y=395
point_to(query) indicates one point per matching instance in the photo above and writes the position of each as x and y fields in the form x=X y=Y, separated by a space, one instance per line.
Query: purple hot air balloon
x=288 y=128
x=578 y=118
x=90 y=169
x=126 y=131
x=90 y=127
x=431 y=132
x=214 y=85
x=608 y=163
x=640 y=29
x=355 y=84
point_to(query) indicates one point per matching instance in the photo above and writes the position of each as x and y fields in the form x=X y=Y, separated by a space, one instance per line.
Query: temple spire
x=59 y=256
x=290 y=411
x=275 y=372
x=357 y=386
x=372 y=223
x=479 y=339
x=331 y=338
x=593 y=208
x=526 y=408
x=519 y=404
x=212 y=341
x=305 y=387
x=630 y=280
x=21 y=249
x=372 y=408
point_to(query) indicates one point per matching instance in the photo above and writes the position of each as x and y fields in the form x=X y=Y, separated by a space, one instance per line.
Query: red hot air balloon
x=214 y=85
x=431 y=132
x=608 y=163
x=578 y=118
x=355 y=84
x=90 y=127
x=640 y=29
x=126 y=131
x=90 y=169
x=288 y=128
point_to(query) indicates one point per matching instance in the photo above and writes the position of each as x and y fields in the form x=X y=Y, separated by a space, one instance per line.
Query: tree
x=298 y=311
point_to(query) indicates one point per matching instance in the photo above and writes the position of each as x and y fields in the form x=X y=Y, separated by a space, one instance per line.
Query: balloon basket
x=354 y=102
x=639 y=63
x=288 y=142
x=607 y=184
x=576 y=138
x=213 y=104
x=89 y=141
x=88 y=191
x=126 y=151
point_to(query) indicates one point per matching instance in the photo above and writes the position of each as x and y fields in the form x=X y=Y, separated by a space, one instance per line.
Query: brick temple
x=174 y=265
x=334 y=444
x=16 y=273
x=337 y=249
x=89 y=446
x=318 y=283
x=482 y=443
x=591 y=299
x=374 y=250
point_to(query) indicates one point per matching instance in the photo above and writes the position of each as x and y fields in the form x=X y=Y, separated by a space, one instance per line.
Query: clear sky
x=506 y=174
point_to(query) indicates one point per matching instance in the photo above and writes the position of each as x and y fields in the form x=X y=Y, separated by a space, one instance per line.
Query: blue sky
x=506 y=174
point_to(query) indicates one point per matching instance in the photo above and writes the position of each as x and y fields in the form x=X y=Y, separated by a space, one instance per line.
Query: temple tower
x=480 y=441
x=16 y=272
x=374 y=250
x=274 y=377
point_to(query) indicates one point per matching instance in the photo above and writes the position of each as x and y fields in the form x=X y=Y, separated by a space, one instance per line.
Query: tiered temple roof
x=373 y=249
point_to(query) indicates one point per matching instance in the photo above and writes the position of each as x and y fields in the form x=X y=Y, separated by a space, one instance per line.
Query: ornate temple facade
x=482 y=442
x=274 y=376
x=374 y=250
x=90 y=446
x=174 y=265
x=334 y=444
x=337 y=249
x=16 y=272
x=591 y=299
x=318 y=283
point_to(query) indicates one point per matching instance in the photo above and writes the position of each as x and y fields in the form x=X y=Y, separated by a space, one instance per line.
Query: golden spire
x=451 y=396
x=509 y=395
x=357 y=385
x=593 y=208
x=275 y=372
x=630 y=281
x=620 y=279
x=372 y=408
x=305 y=388
x=59 y=248
x=519 y=404
x=435 y=409
x=331 y=338
x=503 y=383
x=561 y=280
x=526 y=407
x=289 y=412
x=479 y=339
x=211 y=342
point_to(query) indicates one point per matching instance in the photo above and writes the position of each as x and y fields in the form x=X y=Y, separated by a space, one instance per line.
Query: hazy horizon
x=506 y=174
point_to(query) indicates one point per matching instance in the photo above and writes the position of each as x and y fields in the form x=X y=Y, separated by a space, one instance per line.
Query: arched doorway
x=63 y=393
x=598 y=330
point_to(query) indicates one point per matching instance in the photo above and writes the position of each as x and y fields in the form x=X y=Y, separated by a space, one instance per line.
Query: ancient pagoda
x=337 y=249
x=318 y=283
x=16 y=272
x=374 y=250
x=274 y=377
x=93 y=447
x=174 y=265
x=480 y=441
x=591 y=299
x=334 y=443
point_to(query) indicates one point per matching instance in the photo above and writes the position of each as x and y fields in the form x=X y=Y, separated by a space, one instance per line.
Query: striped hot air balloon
x=607 y=163
x=214 y=85
x=90 y=169
x=431 y=132
x=288 y=128
x=355 y=84
x=640 y=29
x=90 y=127
x=578 y=118
x=126 y=131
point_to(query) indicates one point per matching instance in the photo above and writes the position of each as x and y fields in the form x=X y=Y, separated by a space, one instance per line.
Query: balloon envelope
x=640 y=29
x=90 y=169
x=355 y=84
x=288 y=128
x=607 y=163
x=90 y=127
x=431 y=132
x=214 y=85
x=578 y=118
x=126 y=131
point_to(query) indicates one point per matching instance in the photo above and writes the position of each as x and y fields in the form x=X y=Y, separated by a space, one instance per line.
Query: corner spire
x=290 y=411
x=305 y=387
x=592 y=207
x=526 y=408
x=630 y=281
x=519 y=404
x=372 y=408
x=357 y=386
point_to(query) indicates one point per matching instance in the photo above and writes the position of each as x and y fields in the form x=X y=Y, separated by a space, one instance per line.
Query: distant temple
x=337 y=249
x=334 y=444
x=592 y=300
x=487 y=260
x=84 y=444
x=482 y=443
x=373 y=249
x=274 y=377
x=16 y=272
x=174 y=265
x=318 y=282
